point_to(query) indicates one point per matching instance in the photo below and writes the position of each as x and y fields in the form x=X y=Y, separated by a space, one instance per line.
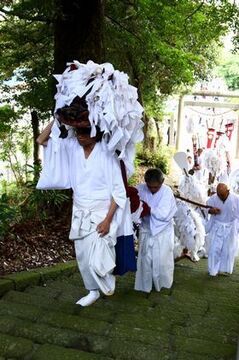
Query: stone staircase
x=197 y=319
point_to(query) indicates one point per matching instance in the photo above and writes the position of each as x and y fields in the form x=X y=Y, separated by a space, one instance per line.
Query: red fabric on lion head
x=133 y=195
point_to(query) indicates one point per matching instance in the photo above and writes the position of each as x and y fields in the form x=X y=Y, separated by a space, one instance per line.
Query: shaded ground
x=198 y=319
x=36 y=243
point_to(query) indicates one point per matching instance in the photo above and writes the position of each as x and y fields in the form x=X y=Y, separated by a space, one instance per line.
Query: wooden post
x=237 y=140
x=171 y=131
x=179 y=122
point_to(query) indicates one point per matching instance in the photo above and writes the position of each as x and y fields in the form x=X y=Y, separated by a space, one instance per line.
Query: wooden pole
x=179 y=122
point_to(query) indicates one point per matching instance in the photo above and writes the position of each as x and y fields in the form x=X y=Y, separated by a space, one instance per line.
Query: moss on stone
x=207 y=331
x=24 y=279
x=128 y=350
x=51 y=352
x=204 y=347
x=131 y=332
x=45 y=334
x=5 y=286
x=75 y=323
x=26 y=298
x=196 y=319
x=191 y=356
x=21 y=311
x=44 y=291
x=52 y=272
x=14 y=347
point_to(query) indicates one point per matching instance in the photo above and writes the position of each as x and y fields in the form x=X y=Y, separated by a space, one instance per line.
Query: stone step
x=52 y=352
x=204 y=347
x=15 y=347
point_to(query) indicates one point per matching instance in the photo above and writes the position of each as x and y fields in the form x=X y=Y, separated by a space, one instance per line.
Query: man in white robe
x=80 y=162
x=104 y=116
x=155 y=265
x=198 y=169
x=222 y=230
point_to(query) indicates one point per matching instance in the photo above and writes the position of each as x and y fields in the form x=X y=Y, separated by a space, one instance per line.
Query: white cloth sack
x=55 y=171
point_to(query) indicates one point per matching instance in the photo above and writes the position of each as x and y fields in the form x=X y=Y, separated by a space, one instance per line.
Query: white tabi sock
x=89 y=299
x=195 y=256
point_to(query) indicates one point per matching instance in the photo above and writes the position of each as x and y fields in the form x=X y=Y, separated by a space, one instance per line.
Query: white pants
x=223 y=248
x=155 y=265
x=90 y=256
x=95 y=255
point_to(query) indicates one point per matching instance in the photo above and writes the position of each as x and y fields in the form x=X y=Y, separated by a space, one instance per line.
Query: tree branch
x=24 y=16
x=122 y=27
x=194 y=12
x=3 y=16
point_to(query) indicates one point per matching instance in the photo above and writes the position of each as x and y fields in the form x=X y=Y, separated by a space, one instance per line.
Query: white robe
x=155 y=264
x=199 y=172
x=95 y=181
x=189 y=229
x=222 y=232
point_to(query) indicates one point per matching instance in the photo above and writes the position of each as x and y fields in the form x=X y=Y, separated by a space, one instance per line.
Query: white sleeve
x=210 y=201
x=55 y=171
x=166 y=209
x=237 y=207
x=117 y=184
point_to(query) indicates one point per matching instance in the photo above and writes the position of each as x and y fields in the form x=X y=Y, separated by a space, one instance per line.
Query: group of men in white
x=215 y=226
x=89 y=147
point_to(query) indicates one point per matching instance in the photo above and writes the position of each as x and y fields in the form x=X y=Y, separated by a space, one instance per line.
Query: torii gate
x=208 y=104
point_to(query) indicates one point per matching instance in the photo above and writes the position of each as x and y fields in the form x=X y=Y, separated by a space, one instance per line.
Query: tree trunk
x=78 y=32
x=146 y=143
x=137 y=83
x=35 y=130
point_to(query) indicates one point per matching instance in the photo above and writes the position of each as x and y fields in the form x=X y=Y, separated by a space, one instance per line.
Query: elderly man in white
x=222 y=230
x=155 y=265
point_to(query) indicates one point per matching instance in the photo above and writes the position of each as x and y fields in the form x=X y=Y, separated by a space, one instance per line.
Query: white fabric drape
x=155 y=264
x=223 y=230
x=223 y=247
x=95 y=182
x=163 y=207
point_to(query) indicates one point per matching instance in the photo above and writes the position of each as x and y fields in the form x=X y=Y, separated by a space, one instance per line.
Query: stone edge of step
x=21 y=280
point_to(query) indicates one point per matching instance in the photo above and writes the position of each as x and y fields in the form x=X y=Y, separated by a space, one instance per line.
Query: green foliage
x=160 y=158
x=162 y=45
x=18 y=203
x=229 y=70
x=134 y=179
x=15 y=142
x=26 y=51
x=8 y=214
x=8 y=118
x=165 y=45
x=15 y=145
x=41 y=203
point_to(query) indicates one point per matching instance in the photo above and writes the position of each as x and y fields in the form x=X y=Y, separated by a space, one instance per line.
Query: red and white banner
x=210 y=136
x=229 y=129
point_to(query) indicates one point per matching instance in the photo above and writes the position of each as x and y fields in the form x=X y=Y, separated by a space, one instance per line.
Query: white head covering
x=112 y=105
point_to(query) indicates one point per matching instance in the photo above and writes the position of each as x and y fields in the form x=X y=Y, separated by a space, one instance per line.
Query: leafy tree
x=15 y=143
x=166 y=44
x=163 y=45
x=8 y=215
x=7 y=118
x=39 y=36
x=229 y=70
x=27 y=52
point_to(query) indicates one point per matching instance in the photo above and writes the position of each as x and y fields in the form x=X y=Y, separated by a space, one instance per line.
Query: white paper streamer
x=112 y=103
